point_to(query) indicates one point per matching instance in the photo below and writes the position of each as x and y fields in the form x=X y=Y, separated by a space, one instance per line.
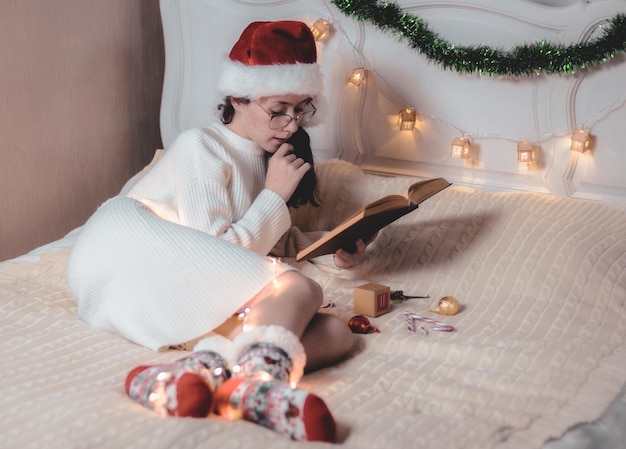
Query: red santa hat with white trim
x=272 y=58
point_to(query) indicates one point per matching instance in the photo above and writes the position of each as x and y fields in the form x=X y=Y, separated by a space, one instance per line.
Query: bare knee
x=306 y=290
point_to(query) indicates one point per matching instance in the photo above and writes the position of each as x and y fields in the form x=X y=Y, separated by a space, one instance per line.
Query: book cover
x=371 y=218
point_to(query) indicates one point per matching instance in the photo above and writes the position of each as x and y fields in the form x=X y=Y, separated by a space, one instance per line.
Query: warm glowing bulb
x=358 y=76
x=231 y=413
x=321 y=29
x=244 y=313
x=275 y=265
x=525 y=152
x=461 y=147
x=581 y=140
x=406 y=119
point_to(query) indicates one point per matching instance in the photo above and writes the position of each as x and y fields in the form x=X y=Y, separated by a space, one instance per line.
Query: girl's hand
x=284 y=171
x=344 y=259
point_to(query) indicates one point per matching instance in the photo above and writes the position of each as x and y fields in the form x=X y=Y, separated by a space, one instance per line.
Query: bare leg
x=292 y=301
x=326 y=340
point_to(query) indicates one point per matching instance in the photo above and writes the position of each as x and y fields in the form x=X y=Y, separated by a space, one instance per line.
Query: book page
x=386 y=203
x=423 y=190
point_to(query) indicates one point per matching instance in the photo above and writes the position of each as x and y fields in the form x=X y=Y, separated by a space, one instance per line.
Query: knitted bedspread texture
x=539 y=346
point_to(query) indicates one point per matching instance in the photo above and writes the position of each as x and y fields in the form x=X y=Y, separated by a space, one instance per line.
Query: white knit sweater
x=136 y=271
x=212 y=180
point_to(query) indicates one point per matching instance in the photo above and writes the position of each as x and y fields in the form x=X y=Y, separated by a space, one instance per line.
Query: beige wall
x=80 y=88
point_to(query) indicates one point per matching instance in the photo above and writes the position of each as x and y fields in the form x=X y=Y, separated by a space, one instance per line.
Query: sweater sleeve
x=205 y=195
x=205 y=207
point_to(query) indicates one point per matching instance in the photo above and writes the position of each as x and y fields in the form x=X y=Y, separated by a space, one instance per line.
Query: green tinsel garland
x=522 y=60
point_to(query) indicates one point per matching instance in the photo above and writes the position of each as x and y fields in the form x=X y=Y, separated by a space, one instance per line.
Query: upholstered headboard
x=495 y=112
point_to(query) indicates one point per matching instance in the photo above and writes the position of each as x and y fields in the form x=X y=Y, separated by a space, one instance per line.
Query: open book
x=372 y=217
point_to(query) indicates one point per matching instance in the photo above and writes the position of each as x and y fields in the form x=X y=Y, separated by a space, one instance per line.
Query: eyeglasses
x=278 y=120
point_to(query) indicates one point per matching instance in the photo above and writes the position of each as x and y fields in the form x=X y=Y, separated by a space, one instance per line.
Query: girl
x=171 y=261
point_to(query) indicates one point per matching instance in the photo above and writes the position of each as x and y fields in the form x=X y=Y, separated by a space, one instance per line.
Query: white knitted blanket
x=540 y=344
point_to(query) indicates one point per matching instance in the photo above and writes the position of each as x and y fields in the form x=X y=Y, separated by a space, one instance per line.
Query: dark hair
x=307 y=191
x=227 y=110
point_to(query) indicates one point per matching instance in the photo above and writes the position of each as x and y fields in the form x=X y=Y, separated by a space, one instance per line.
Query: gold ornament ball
x=448 y=305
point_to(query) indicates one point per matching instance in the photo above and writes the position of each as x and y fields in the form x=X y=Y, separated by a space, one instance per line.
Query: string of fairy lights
x=461 y=146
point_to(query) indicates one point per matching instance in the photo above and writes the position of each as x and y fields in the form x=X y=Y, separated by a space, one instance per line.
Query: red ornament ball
x=359 y=324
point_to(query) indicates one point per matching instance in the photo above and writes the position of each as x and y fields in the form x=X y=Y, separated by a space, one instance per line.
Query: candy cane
x=434 y=324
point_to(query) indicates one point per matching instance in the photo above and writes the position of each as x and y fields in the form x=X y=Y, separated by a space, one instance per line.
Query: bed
x=533 y=245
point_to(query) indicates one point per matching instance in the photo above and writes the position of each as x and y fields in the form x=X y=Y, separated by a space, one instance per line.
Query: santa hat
x=272 y=58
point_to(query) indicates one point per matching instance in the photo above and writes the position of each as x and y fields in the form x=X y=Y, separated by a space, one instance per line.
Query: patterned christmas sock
x=273 y=404
x=172 y=389
x=269 y=358
x=272 y=352
x=265 y=360
x=182 y=388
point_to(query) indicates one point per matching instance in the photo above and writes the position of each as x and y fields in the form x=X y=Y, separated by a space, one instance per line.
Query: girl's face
x=252 y=120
